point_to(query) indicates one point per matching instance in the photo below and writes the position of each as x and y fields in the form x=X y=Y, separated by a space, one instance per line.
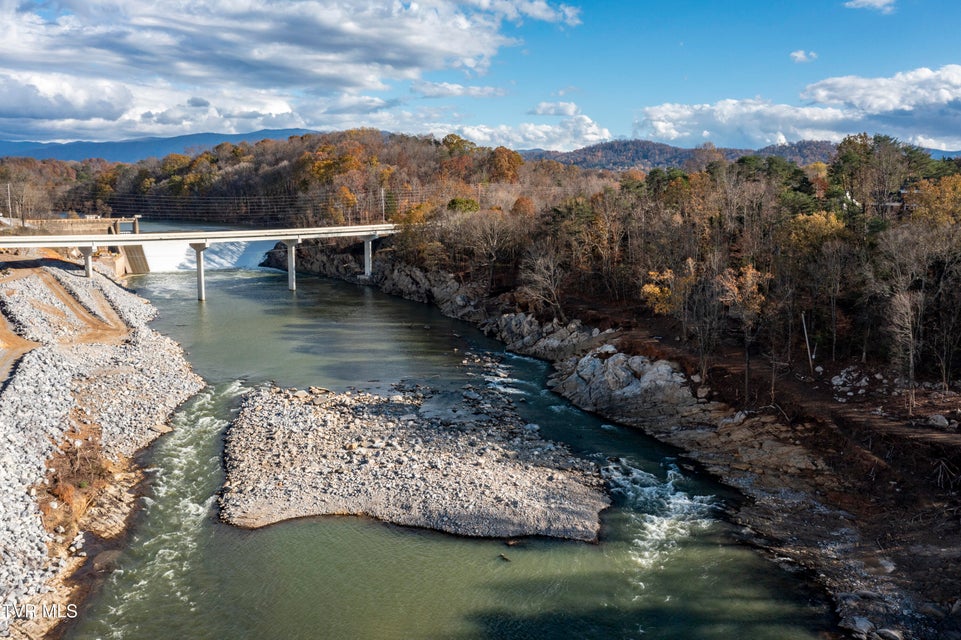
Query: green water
x=667 y=566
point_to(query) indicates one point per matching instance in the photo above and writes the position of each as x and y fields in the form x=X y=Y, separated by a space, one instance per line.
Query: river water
x=667 y=565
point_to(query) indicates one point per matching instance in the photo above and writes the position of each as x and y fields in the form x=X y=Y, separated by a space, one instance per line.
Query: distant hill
x=645 y=155
x=139 y=148
x=803 y=152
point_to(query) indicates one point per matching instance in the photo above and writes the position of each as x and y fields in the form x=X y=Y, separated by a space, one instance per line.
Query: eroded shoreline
x=94 y=387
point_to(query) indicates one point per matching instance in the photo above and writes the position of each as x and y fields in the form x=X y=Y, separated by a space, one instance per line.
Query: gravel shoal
x=461 y=462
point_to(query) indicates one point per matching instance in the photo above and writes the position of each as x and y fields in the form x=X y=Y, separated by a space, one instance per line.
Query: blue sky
x=522 y=73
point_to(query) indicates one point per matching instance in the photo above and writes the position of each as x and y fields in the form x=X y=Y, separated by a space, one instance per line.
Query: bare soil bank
x=84 y=386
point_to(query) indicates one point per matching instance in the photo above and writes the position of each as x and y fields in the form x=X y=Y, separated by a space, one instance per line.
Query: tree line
x=859 y=258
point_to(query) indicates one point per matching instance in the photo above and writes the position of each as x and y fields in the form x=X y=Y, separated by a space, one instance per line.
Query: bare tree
x=542 y=278
x=904 y=317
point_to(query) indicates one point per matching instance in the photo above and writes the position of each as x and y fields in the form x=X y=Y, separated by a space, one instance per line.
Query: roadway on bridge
x=200 y=240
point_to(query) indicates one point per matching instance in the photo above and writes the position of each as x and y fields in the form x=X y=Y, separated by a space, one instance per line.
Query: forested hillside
x=867 y=247
x=646 y=155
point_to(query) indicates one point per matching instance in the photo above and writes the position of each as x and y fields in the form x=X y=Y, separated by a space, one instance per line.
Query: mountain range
x=138 y=148
x=615 y=155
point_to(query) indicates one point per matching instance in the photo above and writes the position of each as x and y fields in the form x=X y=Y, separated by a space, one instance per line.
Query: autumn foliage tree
x=865 y=246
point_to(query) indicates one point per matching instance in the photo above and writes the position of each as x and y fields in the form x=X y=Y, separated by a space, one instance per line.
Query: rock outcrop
x=633 y=389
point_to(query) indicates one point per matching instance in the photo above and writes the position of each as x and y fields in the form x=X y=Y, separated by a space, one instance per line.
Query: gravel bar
x=460 y=462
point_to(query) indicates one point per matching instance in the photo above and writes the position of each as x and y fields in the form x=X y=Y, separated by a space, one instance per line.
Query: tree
x=490 y=236
x=503 y=165
x=938 y=201
x=903 y=275
x=703 y=156
x=464 y=205
x=693 y=298
x=523 y=206
x=742 y=292
x=817 y=259
x=542 y=277
x=905 y=309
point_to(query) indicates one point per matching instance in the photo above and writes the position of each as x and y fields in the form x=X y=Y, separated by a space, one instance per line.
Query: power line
x=354 y=207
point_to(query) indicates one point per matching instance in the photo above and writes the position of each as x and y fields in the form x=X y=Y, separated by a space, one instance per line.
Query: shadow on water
x=735 y=609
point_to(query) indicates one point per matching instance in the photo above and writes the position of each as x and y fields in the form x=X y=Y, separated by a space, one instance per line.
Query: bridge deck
x=210 y=237
x=200 y=240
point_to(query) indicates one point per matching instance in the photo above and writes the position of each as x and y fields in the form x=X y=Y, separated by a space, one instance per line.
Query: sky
x=520 y=73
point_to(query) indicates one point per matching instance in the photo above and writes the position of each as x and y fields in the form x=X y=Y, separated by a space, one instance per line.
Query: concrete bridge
x=199 y=241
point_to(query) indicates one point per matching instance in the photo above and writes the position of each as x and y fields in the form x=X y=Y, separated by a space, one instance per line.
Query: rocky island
x=462 y=462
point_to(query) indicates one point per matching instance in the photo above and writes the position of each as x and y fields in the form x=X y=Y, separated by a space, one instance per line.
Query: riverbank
x=462 y=462
x=89 y=387
x=864 y=524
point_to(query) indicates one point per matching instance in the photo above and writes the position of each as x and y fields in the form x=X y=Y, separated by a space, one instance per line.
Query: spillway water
x=668 y=565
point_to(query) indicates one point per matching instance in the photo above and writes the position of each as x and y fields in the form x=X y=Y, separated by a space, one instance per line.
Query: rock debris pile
x=461 y=462
x=35 y=313
x=118 y=392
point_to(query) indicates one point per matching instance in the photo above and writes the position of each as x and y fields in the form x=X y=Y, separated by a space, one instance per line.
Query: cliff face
x=395 y=277
x=801 y=477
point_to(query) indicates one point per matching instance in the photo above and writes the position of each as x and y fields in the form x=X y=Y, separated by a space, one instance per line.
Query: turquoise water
x=667 y=566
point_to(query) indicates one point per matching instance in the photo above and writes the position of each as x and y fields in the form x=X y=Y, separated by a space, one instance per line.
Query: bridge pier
x=292 y=263
x=199 y=248
x=368 y=256
x=87 y=260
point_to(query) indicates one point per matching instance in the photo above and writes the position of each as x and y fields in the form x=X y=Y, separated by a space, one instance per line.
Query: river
x=667 y=565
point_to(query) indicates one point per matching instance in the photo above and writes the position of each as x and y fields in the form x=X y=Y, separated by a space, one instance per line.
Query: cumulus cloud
x=803 y=56
x=756 y=120
x=450 y=90
x=921 y=107
x=42 y=96
x=566 y=135
x=555 y=109
x=139 y=64
x=884 y=6
x=902 y=91
x=349 y=104
x=537 y=9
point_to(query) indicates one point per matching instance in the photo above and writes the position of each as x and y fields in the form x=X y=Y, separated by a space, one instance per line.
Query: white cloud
x=44 y=96
x=803 y=56
x=902 y=91
x=139 y=66
x=537 y=9
x=921 y=107
x=568 y=134
x=755 y=120
x=884 y=6
x=555 y=109
x=453 y=90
